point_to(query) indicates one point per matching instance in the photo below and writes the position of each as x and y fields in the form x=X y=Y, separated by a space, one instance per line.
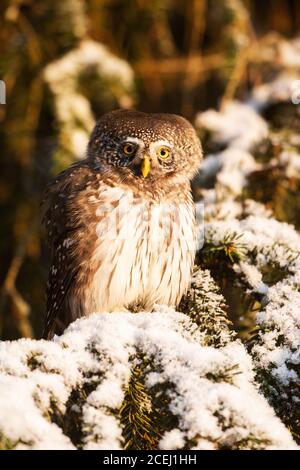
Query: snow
x=281 y=89
x=282 y=317
x=263 y=241
x=290 y=53
x=273 y=241
x=253 y=277
x=291 y=161
x=267 y=242
x=172 y=440
x=231 y=167
x=238 y=125
x=73 y=110
x=236 y=165
x=212 y=397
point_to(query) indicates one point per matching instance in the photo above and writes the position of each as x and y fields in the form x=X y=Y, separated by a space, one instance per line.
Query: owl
x=121 y=223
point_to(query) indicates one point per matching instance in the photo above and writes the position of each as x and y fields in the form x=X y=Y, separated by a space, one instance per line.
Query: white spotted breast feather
x=144 y=253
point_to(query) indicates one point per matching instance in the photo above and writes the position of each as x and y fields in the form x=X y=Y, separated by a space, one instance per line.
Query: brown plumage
x=121 y=224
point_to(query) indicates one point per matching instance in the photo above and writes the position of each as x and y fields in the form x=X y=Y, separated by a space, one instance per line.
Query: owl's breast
x=144 y=252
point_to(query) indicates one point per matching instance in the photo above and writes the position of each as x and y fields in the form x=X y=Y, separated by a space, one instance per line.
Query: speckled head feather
x=147 y=133
x=121 y=223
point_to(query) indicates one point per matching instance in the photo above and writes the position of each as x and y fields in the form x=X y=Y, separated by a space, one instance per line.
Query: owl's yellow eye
x=163 y=152
x=128 y=149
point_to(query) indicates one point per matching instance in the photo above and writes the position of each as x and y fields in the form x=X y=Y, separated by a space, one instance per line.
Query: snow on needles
x=266 y=243
x=212 y=395
x=238 y=125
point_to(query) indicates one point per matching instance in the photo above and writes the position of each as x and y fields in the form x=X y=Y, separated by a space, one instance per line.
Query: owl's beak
x=145 y=166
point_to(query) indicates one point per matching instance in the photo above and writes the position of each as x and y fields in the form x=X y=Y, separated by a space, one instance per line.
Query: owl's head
x=149 y=146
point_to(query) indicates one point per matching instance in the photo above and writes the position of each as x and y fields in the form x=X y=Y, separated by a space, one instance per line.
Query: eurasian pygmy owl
x=121 y=223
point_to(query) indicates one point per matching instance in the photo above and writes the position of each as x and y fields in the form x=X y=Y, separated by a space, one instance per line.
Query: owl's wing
x=63 y=219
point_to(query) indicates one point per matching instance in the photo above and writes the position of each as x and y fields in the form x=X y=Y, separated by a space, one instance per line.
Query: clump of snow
x=238 y=125
x=253 y=277
x=279 y=351
x=291 y=161
x=289 y=53
x=219 y=209
x=73 y=110
x=22 y=420
x=172 y=440
x=285 y=86
x=206 y=307
x=281 y=89
x=212 y=394
x=230 y=167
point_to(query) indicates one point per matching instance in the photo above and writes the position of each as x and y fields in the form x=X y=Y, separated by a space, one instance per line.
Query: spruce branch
x=206 y=307
x=144 y=415
x=228 y=250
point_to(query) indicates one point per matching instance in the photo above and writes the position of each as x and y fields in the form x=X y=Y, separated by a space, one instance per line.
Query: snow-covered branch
x=74 y=392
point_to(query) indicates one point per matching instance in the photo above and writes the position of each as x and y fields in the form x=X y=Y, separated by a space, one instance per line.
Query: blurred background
x=66 y=62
